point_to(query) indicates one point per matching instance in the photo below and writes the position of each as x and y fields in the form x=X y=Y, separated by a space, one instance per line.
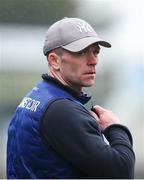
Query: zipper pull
x=92 y=106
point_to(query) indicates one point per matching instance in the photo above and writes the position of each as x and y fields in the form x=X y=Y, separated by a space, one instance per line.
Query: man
x=52 y=134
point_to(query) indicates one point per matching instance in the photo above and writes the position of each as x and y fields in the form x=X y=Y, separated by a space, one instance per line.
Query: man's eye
x=96 y=52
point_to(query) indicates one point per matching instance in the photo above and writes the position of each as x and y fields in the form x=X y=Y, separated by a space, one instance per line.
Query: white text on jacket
x=29 y=104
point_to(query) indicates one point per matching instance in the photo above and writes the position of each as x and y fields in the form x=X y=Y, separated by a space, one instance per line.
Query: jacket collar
x=82 y=97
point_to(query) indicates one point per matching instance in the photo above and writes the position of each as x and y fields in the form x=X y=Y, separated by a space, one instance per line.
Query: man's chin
x=89 y=84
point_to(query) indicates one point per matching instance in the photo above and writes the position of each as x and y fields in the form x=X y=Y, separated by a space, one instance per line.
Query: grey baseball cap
x=72 y=34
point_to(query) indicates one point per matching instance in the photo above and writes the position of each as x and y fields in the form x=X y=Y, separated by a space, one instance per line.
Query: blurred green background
x=120 y=74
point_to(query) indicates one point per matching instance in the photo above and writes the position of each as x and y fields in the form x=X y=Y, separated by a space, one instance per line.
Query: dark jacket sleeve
x=74 y=133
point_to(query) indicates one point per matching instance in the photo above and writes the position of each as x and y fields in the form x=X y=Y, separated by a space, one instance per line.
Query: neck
x=59 y=78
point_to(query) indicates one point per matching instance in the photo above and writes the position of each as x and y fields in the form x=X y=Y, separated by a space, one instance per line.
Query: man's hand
x=104 y=117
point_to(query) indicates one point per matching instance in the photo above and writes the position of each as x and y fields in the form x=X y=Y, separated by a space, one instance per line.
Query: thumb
x=99 y=110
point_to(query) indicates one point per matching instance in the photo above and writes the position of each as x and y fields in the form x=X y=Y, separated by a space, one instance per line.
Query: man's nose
x=93 y=59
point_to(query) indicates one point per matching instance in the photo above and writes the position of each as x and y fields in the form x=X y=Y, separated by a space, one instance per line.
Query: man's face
x=79 y=69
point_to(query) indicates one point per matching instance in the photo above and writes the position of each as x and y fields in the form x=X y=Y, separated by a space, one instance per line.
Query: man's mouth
x=91 y=72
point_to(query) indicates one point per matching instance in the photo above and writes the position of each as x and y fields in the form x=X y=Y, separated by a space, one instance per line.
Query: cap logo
x=84 y=27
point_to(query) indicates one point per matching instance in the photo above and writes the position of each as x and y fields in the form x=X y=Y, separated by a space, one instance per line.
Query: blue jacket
x=27 y=154
x=44 y=142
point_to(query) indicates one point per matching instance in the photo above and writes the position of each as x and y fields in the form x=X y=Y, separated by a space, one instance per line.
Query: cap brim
x=81 y=44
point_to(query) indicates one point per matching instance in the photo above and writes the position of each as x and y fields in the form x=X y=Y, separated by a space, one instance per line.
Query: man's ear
x=53 y=60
